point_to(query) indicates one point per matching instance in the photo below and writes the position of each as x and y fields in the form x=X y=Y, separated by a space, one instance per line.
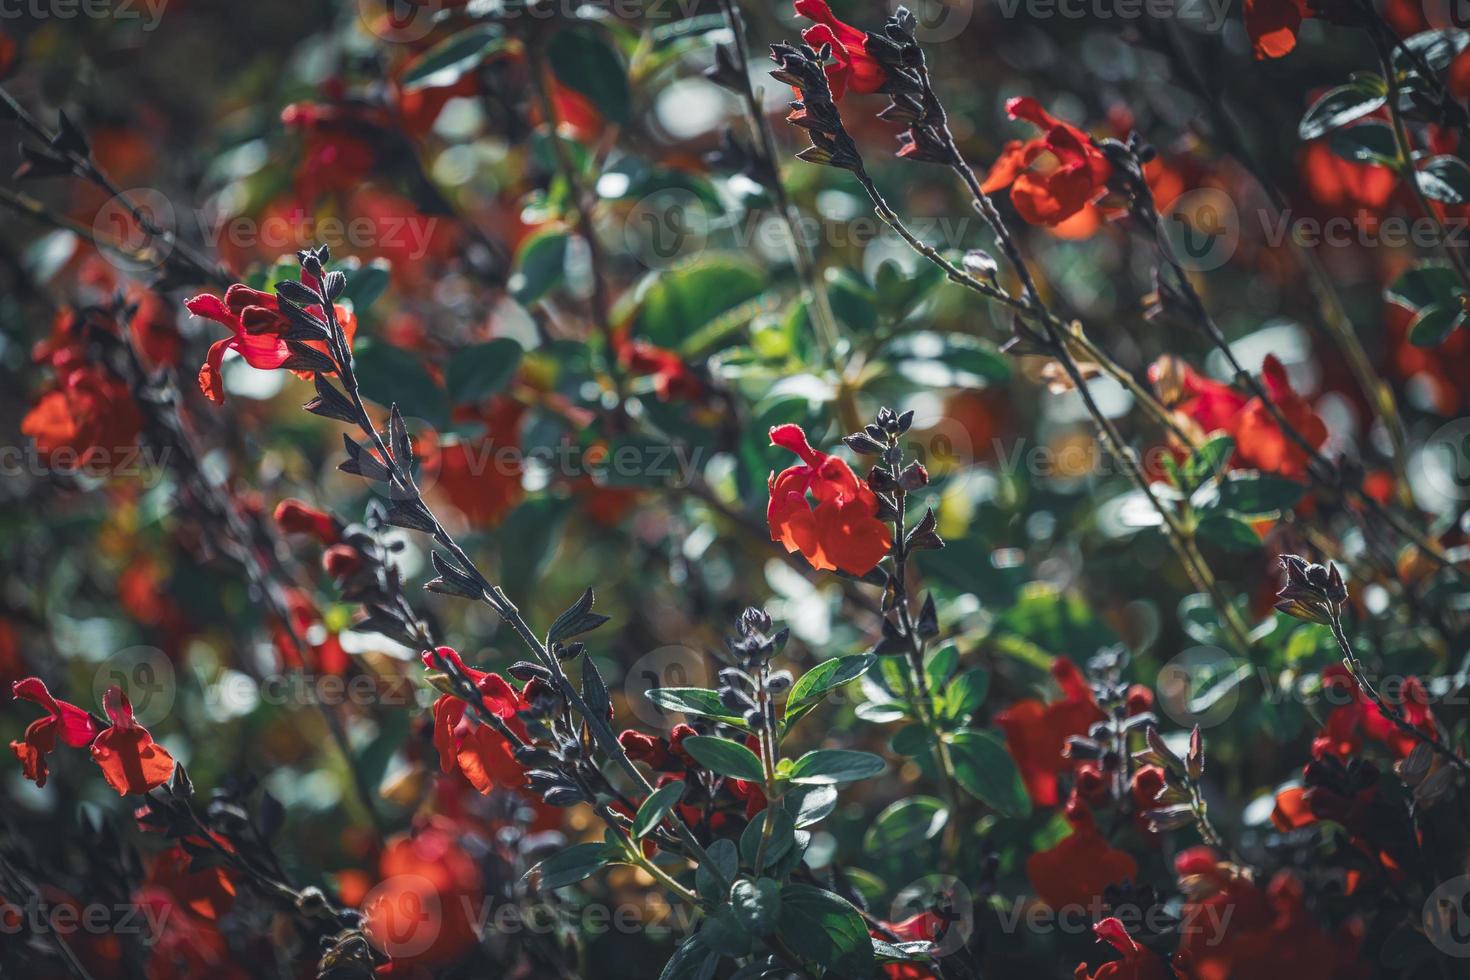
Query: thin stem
x=582 y=205
x=823 y=320
x=1360 y=677
x=491 y=594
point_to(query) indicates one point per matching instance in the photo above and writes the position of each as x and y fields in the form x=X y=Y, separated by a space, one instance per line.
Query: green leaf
x=365 y=284
x=1259 y=494
x=783 y=836
x=1367 y=142
x=389 y=375
x=586 y=64
x=815 y=683
x=964 y=695
x=725 y=757
x=1445 y=178
x=986 y=771
x=1340 y=106
x=835 y=766
x=448 y=61
x=724 y=932
x=1436 y=48
x=1208 y=460
x=573 y=864
x=757 y=904
x=905 y=825
x=1433 y=324
x=726 y=859
x=671 y=305
x=911 y=740
x=540 y=265
x=698 y=701
x=826 y=930
x=941 y=666
x=480 y=370
x=656 y=807
x=810 y=804
x=693 y=960
x=1426 y=284
x=1227 y=532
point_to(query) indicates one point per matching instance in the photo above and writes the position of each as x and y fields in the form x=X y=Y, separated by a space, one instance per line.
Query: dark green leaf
x=757 y=904
x=1445 y=178
x=480 y=370
x=388 y=374
x=573 y=864
x=1340 y=106
x=826 y=930
x=1252 y=494
x=586 y=64
x=904 y=825
x=540 y=265
x=783 y=835
x=725 y=757
x=825 y=676
x=656 y=807
x=693 y=960
x=835 y=766
x=1229 y=533
x=446 y=62
x=986 y=770
x=693 y=701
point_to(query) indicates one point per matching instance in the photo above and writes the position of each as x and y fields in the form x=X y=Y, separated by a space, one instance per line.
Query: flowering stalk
x=409 y=508
x=801 y=67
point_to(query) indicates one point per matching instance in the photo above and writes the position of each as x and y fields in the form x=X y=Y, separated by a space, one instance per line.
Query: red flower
x=1137 y=963
x=1273 y=25
x=1212 y=406
x=130 y=760
x=76 y=727
x=481 y=475
x=1341 y=733
x=843 y=530
x=1081 y=866
x=853 y=67
x=257 y=326
x=1259 y=441
x=1037 y=733
x=1237 y=929
x=1074 y=173
x=297 y=517
x=465 y=745
x=672 y=378
x=89 y=420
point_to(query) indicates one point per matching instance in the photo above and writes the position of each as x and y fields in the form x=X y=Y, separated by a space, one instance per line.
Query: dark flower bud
x=860 y=443
x=524 y=670
x=913 y=476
